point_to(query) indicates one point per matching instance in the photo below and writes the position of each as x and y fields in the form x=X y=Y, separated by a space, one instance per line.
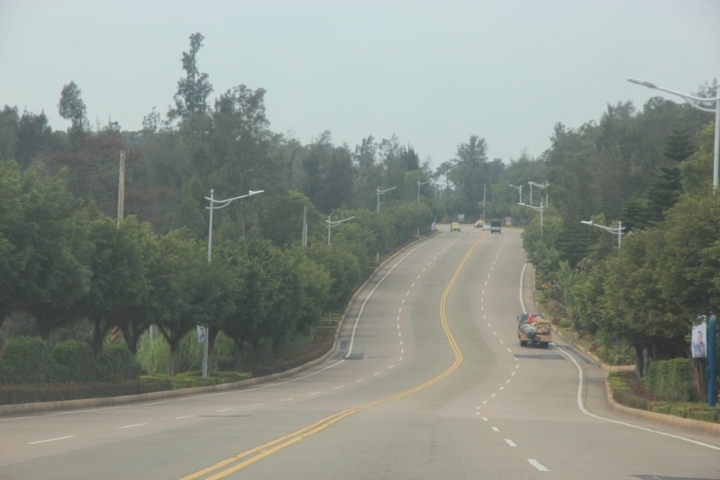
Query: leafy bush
x=77 y=359
x=223 y=354
x=616 y=354
x=7 y=374
x=31 y=361
x=116 y=364
x=152 y=354
x=670 y=379
x=193 y=379
x=565 y=323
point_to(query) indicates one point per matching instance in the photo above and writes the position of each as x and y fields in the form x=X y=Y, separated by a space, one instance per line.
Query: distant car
x=455 y=227
x=486 y=226
x=479 y=224
x=495 y=226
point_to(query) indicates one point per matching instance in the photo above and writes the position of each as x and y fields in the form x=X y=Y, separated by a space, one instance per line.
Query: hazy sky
x=431 y=72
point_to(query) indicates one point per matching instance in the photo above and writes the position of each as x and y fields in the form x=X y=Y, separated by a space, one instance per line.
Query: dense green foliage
x=29 y=360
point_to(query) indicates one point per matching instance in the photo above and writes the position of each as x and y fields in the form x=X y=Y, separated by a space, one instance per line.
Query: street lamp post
x=331 y=224
x=617 y=230
x=519 y=190
x=420 y=184
x=544 y=186
x=215 y=205
x=380 y=192
x=218 y=204
x=540 y=209
x=694 y=102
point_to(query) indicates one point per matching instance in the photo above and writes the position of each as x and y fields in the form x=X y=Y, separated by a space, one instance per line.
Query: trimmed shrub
x=670 y=379
x=77 y=359
x=31 y=361
x=115 y=364
x=7 y=374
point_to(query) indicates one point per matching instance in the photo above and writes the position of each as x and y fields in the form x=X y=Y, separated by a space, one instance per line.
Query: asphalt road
x=429 y=382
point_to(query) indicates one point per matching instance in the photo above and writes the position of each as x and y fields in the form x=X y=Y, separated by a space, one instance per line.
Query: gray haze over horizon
x=433 y=73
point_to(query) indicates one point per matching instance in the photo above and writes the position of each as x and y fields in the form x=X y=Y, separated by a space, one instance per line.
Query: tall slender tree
x=194 y=88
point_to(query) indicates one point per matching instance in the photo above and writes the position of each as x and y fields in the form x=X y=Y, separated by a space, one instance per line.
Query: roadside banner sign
x=699 y=334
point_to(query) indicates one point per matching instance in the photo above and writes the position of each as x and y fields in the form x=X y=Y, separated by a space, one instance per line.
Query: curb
x=672 y=420
x=42 y=407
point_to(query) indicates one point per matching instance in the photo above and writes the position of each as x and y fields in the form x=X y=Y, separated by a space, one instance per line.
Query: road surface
x=429 y=382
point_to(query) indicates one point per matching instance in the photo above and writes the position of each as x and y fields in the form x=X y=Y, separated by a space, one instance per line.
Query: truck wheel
x=523 y=343
x=544 y=344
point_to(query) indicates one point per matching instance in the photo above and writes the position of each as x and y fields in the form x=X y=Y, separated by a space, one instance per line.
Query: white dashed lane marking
x=135 y=425
x=538 y=465
x=50 y=440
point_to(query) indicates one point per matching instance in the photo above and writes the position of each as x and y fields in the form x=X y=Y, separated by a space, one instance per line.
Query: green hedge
x=77 y=360
x=670 y=379
x=28 y=360
x=622 y=394
x=115 y=364
x=194 y=379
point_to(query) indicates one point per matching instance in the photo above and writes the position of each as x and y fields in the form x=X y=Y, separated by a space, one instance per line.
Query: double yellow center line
x=248 y=457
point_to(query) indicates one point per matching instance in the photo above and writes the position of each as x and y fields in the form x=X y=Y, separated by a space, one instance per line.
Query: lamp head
x=642 y=82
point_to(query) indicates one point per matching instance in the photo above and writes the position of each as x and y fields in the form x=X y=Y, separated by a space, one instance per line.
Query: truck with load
x=534 y=329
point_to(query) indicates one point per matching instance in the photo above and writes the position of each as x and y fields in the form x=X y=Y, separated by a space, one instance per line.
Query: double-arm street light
x=331 y=224
x=617 y=230
x=420 y=184
x=380 y=192
x=216 y=205
x=539 y=185
x=540 y=209
x=695 y=103
x=519 y=187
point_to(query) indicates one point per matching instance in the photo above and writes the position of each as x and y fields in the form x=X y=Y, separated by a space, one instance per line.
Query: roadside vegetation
x=71 y=272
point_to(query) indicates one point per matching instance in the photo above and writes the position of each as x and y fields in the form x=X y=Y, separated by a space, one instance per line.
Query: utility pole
x=305 y=228
x=483 y=202
x=121 y=190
